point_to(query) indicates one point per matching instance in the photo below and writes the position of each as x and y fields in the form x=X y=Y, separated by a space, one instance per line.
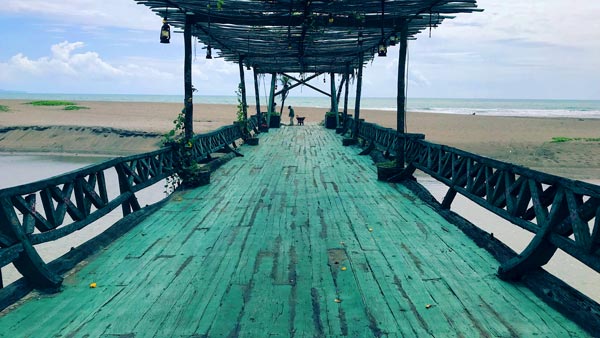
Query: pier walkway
x=296 y=239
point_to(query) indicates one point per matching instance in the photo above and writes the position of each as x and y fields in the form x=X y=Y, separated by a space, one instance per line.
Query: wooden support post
x=401 y=96
x=449 y=198
x=334 y=106
x=257 y=95
x=271 y=97
x=339 y=91
x=243 y=88
x=346 y=85
x=358 y=92
x=188 y=124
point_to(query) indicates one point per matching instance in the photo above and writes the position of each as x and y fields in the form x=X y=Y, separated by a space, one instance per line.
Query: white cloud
x=513 y=47
x=68 y=69
x=63 y=62
x=552 y=22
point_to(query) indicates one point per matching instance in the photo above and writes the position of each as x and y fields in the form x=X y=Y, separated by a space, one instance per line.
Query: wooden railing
x=376 y=135
x=72 y=201
x=562 y=213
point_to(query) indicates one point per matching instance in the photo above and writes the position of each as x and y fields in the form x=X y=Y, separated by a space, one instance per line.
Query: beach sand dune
x=122 y=128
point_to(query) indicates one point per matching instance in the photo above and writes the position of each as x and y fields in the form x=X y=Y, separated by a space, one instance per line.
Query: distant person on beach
x=291 y=115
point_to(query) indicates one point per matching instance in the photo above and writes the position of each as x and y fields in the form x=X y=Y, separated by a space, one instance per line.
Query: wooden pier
x=297 y=238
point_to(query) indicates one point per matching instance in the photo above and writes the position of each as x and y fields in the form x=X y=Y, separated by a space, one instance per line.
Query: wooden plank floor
x=296 y=239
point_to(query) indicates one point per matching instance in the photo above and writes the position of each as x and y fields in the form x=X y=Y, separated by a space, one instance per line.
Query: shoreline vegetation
x=567 y=147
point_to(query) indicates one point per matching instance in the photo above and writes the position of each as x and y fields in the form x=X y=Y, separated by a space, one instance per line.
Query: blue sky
x=515 y=49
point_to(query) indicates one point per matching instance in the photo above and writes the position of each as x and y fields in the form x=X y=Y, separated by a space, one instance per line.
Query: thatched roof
x=304 y=36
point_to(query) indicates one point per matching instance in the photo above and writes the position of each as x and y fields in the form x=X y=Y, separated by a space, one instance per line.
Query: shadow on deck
x=297 y=238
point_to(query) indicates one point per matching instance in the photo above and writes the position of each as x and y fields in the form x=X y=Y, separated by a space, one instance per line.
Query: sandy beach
x=122 y=128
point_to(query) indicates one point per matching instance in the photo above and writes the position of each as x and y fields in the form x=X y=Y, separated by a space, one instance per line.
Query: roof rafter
x=301 y=36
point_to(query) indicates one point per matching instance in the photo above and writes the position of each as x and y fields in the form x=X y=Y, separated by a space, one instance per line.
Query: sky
x=514 y=49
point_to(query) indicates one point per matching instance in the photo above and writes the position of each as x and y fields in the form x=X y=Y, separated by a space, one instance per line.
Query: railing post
x=131 y=204
x=29 y=264
x=449 y=198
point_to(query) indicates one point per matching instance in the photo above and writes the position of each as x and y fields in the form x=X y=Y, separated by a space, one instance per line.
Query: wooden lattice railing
x=562 y=213
x=72 y=201
x=376 y=135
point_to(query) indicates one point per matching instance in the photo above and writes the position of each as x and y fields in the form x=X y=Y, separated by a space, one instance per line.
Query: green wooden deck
x=297 y=238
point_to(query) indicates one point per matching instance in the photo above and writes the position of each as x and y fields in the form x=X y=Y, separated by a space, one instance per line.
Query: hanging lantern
x=330 y=18
x=382 y=49
x=165 y=32
x=393 y=40
x=208 y=52
x=360 y=38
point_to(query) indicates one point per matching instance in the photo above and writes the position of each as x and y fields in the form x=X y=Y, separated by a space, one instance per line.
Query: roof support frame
x=259 y=32
x=304 y=82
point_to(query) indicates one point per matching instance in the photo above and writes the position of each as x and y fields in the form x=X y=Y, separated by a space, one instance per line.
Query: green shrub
x=73 y=107
x=52 y=103
x=560 y=139
x=3 y=108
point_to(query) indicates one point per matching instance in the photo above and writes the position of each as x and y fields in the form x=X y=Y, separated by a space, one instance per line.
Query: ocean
x=490 y=107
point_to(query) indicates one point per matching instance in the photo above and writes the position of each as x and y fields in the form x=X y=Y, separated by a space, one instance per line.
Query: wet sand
x=122 y=128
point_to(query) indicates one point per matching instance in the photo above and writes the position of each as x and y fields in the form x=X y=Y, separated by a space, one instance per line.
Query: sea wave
x=595 y=114
x=487 y=107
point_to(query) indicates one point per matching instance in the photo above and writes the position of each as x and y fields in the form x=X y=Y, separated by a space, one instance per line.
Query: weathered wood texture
x=562 y=213
x=295 y=239
x=74 y=200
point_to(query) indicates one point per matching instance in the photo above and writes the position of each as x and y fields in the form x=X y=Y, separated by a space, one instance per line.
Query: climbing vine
x=241 y=117
x=175 y=135
x=186 y=168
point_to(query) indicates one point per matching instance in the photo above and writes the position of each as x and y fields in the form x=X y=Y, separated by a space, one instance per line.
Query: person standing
x=291 y=115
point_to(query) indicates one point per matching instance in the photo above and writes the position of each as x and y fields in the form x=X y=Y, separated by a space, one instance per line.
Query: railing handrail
x=561 y=212
x=542 y=177
x=27 y=188
x=83 y=195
